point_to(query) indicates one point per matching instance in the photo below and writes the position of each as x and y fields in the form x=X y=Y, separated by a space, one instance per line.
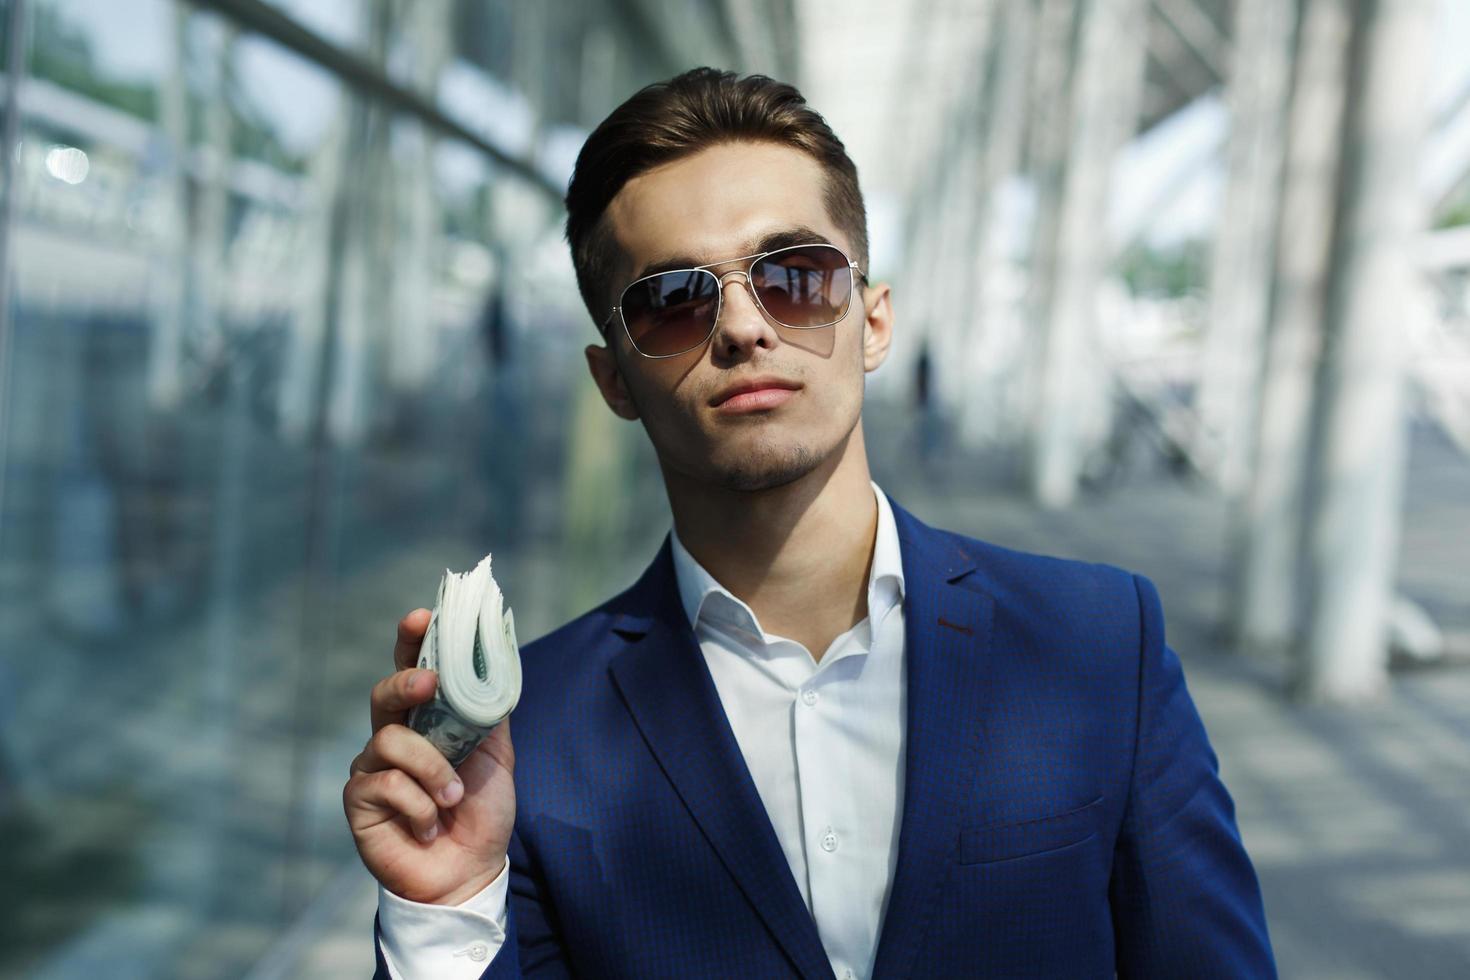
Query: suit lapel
x=947 y=623
x=663 y=679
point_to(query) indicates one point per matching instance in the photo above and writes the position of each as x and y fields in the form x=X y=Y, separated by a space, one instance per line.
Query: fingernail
x=452 y=793
x=428 y=835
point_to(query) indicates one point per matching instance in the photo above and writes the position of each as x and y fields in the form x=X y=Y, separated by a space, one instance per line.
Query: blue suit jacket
x=1062 y=816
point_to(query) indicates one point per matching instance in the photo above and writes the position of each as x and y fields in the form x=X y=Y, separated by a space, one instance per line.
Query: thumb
x=498 y=745
x=494 y=750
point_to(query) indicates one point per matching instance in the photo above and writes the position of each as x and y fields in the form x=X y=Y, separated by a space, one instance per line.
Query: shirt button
x=829 y=840
x=809 y=696
x=478 y=952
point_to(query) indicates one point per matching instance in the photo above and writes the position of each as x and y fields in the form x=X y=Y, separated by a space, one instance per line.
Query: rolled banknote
x=471 y=643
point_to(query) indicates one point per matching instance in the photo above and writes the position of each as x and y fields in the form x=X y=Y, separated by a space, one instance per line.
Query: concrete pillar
x=982 y=406
x=1355 y=475
x=1242 y=261
x=1267 y=519
x=1099 y=72
x=958 y=203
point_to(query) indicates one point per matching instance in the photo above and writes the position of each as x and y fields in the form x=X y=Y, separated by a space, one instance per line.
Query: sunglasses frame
x=852 y=268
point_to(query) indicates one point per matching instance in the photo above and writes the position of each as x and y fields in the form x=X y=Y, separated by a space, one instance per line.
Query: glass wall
x=277 y=351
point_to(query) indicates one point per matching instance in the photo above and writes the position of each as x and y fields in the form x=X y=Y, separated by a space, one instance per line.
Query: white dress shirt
x=824 y=743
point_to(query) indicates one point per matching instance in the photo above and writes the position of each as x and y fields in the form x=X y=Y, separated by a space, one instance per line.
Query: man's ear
x=603 y=364
x=877 y=325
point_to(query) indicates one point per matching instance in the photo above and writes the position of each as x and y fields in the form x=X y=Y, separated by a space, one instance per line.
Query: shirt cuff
x=455 y=942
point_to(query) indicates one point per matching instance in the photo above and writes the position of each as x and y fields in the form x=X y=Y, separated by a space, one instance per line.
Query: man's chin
x=765 y=470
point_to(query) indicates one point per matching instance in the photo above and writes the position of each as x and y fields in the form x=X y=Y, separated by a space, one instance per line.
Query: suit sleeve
x=1184 y=896
x=531 y=947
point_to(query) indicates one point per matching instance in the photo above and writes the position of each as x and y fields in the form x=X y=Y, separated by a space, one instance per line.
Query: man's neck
x=799 y=555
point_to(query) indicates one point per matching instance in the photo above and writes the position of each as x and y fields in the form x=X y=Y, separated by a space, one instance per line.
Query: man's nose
x=742 y=325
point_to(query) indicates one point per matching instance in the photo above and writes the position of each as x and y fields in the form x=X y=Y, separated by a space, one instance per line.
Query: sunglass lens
x=672 y=312
x=808 y=286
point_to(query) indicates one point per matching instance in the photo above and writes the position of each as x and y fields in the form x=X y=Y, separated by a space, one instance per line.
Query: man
x=817 y=737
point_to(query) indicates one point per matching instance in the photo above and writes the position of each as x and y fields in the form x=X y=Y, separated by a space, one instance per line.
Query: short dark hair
x=690 y=112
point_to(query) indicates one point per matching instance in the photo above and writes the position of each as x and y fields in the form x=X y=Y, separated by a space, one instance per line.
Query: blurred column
x=956 y=205
x=1095 y=78
x=923 y=170
x=209 y=256
x=367 y=251
x=343 y=293
x=168 y=275
x=763 y=35
x=1002 y=132
x=1267 y=521
x=596 y=495
x=15 y=56
x=412 y=331
x=535 y=59
x=1049 y=116
x=1241 y=272
x=596 y=505
x=208 y=232
x=982 y=411
x=193 y=309
x=298 y=400
x=1355 y=475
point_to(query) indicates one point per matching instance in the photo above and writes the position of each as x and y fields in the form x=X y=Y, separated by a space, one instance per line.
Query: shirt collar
x=703 y=597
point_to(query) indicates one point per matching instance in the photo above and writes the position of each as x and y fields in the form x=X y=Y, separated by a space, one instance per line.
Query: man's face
x=715 y=205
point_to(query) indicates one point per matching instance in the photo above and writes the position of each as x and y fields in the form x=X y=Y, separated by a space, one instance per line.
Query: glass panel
x=278 y=357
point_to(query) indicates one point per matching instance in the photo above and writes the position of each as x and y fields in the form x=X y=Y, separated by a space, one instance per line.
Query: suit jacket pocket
x=983 y=845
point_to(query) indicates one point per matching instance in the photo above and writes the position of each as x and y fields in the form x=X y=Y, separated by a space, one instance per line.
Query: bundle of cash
x=471 y=643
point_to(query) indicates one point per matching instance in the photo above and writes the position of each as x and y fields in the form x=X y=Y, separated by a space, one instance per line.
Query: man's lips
x=753 y=390
x=750 y=401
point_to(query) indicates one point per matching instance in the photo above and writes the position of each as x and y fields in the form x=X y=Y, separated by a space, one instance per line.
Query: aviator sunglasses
x=800 y=286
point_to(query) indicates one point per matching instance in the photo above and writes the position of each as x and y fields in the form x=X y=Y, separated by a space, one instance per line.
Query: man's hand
x=426 y=832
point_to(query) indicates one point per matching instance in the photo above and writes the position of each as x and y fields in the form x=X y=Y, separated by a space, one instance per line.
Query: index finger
x=411 y=630
x=395 y=694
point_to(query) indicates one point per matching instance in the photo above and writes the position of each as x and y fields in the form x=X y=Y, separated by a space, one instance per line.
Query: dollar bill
x=471 y=644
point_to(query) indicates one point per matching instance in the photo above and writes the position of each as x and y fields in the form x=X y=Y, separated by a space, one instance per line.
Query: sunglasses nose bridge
x=755 y=302
x=745 y=281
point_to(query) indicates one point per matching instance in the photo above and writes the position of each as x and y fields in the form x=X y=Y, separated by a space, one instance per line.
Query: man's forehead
x=725 y=201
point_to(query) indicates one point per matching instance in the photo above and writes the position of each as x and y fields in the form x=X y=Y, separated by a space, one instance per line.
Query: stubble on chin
x=766 y=468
